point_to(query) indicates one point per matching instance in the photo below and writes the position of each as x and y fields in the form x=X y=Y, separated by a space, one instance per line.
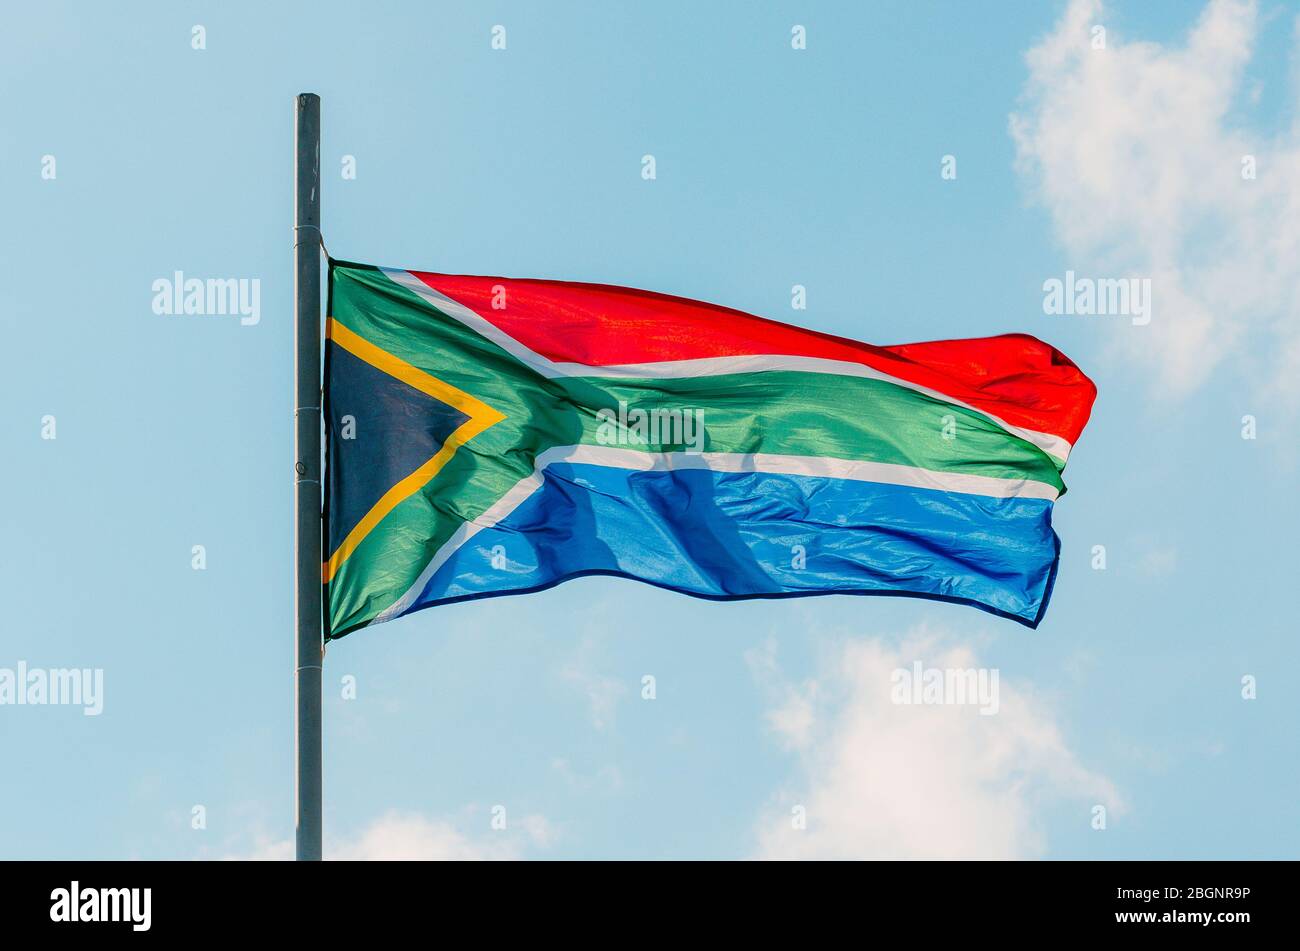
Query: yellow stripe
x=480 y=414
x=396 y=367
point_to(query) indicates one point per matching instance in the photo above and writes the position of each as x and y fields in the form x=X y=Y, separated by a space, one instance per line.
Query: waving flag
x=492 y=436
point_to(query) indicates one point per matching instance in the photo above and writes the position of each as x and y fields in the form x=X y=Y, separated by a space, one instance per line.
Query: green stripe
x=821 y=414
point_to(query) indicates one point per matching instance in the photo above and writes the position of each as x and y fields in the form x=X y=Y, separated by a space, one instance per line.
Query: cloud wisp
x=879 y=778
x=409 y=836
x=1135 y=150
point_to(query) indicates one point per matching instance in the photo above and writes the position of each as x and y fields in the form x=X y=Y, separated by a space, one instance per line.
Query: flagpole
x=307 y=474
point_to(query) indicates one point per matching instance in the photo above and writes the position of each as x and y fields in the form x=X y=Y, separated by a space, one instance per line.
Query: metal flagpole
x=307 y=466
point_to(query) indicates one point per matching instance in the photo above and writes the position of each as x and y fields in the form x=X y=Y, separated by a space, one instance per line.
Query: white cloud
x=884 y=780
x=406 y=836
x=1134 y=151
x=603 y=692
x=606 y=779
x=1158 y=561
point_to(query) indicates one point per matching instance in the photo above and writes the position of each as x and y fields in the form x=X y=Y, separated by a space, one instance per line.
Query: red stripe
x=1015 y=377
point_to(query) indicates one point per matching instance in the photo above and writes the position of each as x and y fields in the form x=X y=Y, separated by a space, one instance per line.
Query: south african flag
x=492 y=436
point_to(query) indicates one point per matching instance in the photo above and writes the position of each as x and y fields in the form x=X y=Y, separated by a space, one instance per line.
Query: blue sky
x=775 y=167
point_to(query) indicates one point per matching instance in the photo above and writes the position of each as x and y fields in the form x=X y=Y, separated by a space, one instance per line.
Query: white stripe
x=635 y=459
x=700 y=366
x=478 y=324
x=886 y=473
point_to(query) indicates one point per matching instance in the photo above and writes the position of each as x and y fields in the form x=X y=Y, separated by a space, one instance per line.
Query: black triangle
x=395 y=430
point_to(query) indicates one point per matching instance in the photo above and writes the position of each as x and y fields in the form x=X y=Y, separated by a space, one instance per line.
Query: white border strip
x=637 y=460
x=701 y=366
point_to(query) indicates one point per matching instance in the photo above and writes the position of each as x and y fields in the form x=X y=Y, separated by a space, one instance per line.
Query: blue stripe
x=734 y=535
